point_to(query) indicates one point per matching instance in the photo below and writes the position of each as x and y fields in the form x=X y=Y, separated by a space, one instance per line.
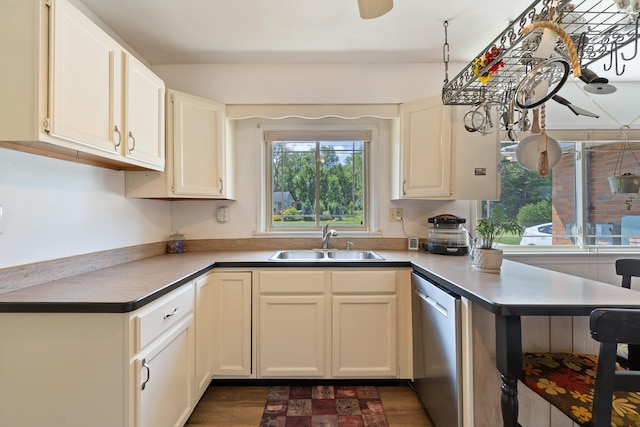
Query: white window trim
x=371 y=200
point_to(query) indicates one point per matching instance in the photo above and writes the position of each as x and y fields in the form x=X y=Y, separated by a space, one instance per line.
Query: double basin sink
x=324 y=255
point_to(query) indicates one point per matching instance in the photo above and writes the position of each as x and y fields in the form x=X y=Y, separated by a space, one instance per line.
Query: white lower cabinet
x=64 y=369
x=100 y=369
x=162 y=384
x=230 y=312
x=149 y=367
x=204 y=344
x=365 y=324
x=292 y=324
x=334 y=323
x=163 y=390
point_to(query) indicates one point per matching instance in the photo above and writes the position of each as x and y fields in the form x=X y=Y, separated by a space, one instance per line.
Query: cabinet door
x=85 y=82
x=292 y=329
x=291 y=336
x=231 y=312
x=425 y=150
x=164 y=389
x=198 y=140
x=476 y=159
x=365 y=323
x=203 y=333
x=144 y=114
x=364 y=336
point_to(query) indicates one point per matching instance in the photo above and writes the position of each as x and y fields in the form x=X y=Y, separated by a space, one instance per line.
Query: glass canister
x=176 y=244
x=448 y=241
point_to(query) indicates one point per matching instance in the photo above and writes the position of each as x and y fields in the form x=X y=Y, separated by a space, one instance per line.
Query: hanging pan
x=541 y=83
x=486 y=117
x=546 y=79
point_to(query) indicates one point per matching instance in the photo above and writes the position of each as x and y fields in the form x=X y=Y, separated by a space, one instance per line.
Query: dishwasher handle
x=433 y=303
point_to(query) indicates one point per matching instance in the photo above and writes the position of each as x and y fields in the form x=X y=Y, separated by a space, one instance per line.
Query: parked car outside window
x=537 y=235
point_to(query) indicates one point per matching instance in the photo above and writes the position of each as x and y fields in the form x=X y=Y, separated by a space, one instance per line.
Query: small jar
x=176 y=244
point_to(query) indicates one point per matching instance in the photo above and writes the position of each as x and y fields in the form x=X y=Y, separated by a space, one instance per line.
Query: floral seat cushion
x=566 y=380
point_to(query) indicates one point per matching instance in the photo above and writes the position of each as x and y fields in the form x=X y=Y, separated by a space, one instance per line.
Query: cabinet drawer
x=158 y=317
x=364 y=282
x=292 y=282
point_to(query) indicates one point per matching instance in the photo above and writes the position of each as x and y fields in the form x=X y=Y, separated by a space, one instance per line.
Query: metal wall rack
x=598 y=29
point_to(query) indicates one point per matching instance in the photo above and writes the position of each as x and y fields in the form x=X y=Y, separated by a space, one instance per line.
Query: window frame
x=330 y=131
x=581 y=236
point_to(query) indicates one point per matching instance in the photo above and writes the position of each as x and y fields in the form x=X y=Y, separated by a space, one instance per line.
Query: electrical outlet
x=222 y=214
x=395 y=214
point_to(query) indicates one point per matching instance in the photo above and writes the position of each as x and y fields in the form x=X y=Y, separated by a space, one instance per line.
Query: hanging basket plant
x=627 y=182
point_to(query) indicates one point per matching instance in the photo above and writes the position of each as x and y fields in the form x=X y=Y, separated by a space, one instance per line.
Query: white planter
x=489 y=260
x=624 y=183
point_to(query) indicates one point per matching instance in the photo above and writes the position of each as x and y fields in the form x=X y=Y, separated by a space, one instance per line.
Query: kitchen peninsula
x=91 y=306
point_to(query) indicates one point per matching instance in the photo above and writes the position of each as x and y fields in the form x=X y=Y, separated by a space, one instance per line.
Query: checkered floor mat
x=323 y=406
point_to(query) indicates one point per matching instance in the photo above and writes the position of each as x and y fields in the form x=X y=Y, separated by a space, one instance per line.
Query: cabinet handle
x=173 y=313
x=221 y=185
x=133 y=147
x=146 y=366
x=404 y=181
x=116 y=130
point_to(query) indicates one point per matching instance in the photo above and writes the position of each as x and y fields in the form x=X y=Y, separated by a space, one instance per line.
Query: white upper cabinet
x=144 y=113
x=476 y=160
x=435 y=158
x=84 y=105
x=73 y=92
x=424 y=156
x=200 y=153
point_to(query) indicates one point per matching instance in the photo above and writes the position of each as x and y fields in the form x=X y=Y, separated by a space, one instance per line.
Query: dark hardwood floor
x=242 y=406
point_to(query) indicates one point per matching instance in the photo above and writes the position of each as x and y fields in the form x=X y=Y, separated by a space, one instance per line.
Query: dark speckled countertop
x=519 y=289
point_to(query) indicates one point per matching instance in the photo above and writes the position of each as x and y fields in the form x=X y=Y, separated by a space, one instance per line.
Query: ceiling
x=303 y=31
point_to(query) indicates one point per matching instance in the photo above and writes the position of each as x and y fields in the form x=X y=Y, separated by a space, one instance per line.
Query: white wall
x=306 y=83
x=54 y=209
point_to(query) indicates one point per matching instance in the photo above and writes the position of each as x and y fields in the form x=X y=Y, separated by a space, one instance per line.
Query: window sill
x=556 y=250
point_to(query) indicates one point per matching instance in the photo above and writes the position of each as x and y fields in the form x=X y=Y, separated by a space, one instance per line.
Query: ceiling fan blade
x=374 y=8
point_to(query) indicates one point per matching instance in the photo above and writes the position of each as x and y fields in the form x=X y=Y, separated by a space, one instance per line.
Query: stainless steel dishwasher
x=436 y=351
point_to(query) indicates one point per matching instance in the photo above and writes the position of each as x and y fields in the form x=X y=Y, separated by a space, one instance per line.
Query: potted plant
x=626 y=183
x=487 y=257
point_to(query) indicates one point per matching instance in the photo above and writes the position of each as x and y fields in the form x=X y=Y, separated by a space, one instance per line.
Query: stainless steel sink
x=353 y=255
x=324 y=255
x=298 y=255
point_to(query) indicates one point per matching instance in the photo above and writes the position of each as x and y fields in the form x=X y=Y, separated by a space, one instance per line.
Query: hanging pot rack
x=597 y=28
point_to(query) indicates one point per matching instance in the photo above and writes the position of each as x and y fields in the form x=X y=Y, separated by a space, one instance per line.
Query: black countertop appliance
x=448 y=236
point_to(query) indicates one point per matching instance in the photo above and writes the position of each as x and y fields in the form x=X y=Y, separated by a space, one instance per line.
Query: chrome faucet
x=326 y=233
